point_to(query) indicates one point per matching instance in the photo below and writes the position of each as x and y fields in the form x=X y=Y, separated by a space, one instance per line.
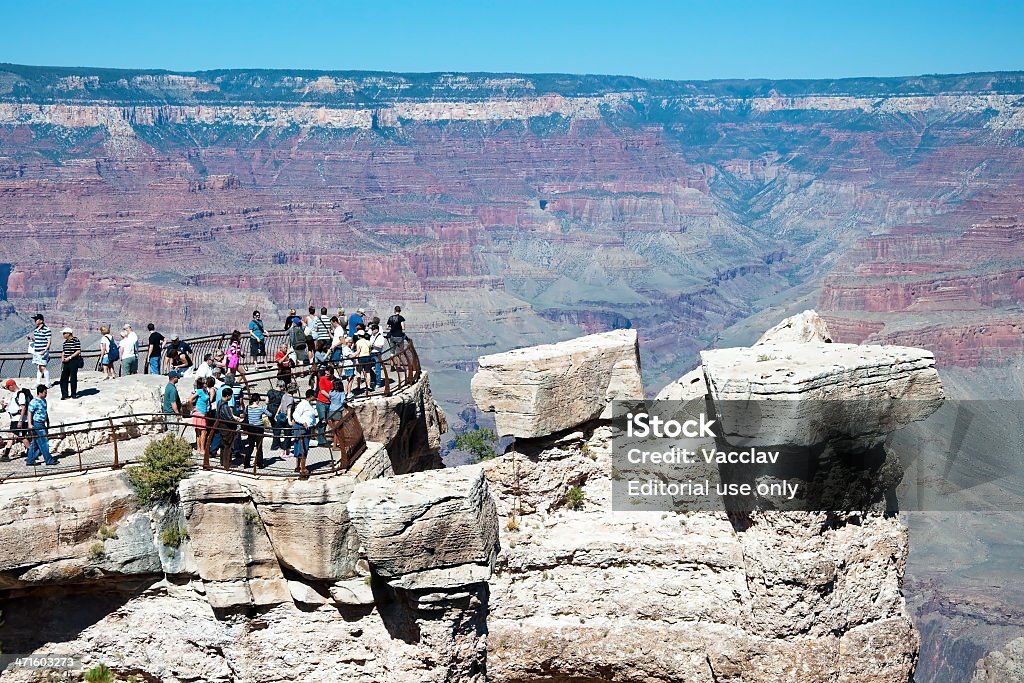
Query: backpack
x=113 y=352
x=297 y=338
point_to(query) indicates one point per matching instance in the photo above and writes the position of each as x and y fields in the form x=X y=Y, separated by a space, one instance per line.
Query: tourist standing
x=274 y=397
x=200 y=411
x=297 y=339
x=40 y=339
x=288 y=319
x=378 y=344
x=364 y=359
x=253 y=427
x=335 y=410
x=396 y=327
x=70 y=363
x=323 y=403
x=17 y=410
x=172 y=401
x=281 y=419
x=258 y=340
x=354 y=321
x=108 y=352
x=129 y=351
x=233 y=355
x=304 y=419
x=284 y=364
x=156 y=343
x=38 y=415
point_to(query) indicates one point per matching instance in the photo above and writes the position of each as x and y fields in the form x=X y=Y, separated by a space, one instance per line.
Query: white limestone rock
x=812 y=394
x=439 y=528
x=803 y=328
x=689 y=387
x=540 y=390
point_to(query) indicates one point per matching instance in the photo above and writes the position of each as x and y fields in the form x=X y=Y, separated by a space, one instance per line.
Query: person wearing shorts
x=257 y=340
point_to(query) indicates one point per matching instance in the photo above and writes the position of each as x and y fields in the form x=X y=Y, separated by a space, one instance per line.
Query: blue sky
x=647 y=38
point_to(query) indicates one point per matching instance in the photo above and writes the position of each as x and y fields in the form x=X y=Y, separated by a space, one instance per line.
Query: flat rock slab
x=545 y=389
x=814 y=393
x=439 y=528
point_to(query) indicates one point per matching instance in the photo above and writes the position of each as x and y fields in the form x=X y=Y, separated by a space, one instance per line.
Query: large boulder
x=805 y=328
x=540 y=390
x=408 y=423
x=812 y=394
x=50 y=530
x=429 y=530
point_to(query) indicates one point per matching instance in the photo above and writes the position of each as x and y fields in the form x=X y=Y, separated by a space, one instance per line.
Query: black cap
x=37 y=316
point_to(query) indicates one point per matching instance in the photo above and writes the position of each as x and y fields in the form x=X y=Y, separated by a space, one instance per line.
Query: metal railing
x=112 y=442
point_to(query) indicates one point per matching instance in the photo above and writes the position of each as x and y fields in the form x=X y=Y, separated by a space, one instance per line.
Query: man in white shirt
x=378 y=344
x=129 y=346
x=206 y=368
x=304 y=417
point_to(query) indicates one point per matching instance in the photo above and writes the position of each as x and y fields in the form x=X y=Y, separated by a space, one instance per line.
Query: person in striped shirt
x=71 y=361
x=41 y=338
x=253 y=429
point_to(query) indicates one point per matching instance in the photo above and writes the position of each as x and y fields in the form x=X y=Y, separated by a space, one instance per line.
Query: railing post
x=113 y=435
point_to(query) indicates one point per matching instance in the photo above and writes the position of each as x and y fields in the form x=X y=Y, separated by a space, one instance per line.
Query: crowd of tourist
x=341 y=355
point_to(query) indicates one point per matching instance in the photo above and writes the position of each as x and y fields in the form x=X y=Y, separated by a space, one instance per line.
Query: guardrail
x=112 y=442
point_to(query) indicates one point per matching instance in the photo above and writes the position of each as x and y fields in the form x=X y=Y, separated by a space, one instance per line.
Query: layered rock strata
x=540 y=390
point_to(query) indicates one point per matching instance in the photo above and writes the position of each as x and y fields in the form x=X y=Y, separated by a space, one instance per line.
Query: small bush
x=763 y=357
x=100 y=673
x=512 y=524
x=253 y=519
x=477 y=442
x=173 y=536
x=574 y=498
x=97 y=551
x=107 y=533
x=165 y=463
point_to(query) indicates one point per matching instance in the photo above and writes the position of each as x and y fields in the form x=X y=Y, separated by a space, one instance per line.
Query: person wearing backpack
x=108 y=352
x=297 y=340
x=17 y=410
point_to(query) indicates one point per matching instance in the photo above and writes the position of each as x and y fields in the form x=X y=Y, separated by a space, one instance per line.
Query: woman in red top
x=284 y=364
x=323 y=402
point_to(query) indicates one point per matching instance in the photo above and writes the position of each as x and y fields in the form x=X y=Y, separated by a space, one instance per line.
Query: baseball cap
x=10 y=385
x=175 y=338
x=37 y=316
x=67 y=330
x=175 y=373
x=127 y=326
x=360 y=310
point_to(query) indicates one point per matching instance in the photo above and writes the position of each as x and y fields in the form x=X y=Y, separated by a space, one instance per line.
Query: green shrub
x=173 y=536
x=477 y=442
x=107 y=533
x=100 y=673
x=574 y=498
x=165 y=463
x=97 y=551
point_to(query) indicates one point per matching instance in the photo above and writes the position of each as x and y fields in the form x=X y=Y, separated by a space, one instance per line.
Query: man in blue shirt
x=39 y=417
x=257 y=340
x=354 y=321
